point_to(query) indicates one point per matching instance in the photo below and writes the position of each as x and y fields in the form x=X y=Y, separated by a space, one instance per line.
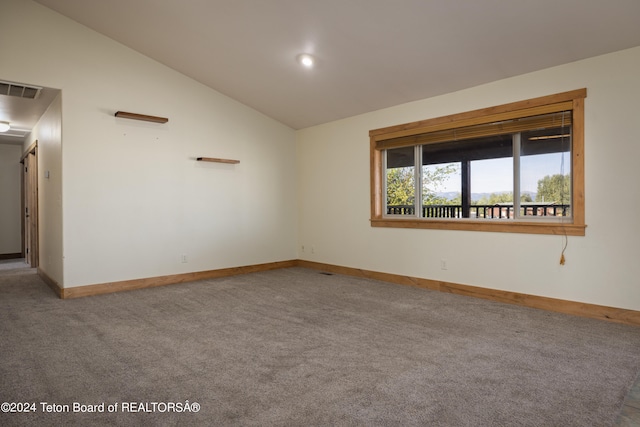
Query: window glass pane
x=400 y=181
x=545 y=173
x=492 y=188
x=459 y=175
x=442 y=190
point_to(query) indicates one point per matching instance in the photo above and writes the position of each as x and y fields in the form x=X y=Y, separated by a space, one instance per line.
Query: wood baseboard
x=10 y=256
x=150 y=282
x=55 y=286
x=611 y=314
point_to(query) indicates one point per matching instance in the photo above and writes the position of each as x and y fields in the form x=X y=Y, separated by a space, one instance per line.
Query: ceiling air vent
x=21 y=91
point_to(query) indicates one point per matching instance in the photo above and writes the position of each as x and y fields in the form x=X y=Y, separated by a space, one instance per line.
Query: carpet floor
x=296 y=347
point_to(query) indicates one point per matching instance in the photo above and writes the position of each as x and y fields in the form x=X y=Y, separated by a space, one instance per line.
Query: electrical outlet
x=313 y=249
x=183 y=258
x=443 y=264
x=302 y=247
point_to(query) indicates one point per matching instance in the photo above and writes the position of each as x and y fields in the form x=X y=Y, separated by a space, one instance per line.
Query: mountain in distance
x=450 y=195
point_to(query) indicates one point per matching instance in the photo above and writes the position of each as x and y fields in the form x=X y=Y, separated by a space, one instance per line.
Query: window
x=513 y=168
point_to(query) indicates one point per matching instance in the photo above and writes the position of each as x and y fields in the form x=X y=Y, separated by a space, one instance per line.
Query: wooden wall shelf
x=143 y=117
x=216 y=160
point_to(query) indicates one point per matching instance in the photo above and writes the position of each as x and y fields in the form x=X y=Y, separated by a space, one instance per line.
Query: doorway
x=30 y=205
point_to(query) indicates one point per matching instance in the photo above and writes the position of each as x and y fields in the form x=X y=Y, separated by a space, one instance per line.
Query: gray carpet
x=13 y=266
x=296 y=347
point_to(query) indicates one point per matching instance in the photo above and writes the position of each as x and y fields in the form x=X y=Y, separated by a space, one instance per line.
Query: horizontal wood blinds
x=552 y=120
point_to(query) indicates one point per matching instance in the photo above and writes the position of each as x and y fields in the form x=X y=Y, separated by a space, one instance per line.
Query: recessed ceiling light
x=306 y=60
x=4 y=126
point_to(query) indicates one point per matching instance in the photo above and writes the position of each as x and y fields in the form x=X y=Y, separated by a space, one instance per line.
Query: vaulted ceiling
x=371 y=54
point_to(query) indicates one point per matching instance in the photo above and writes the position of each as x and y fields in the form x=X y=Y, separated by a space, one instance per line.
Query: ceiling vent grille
x=21 y=91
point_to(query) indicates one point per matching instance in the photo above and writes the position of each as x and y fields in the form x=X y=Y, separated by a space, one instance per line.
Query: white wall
x=133 y=197
x=48 y=134
x=602 y=267
x=10 y=228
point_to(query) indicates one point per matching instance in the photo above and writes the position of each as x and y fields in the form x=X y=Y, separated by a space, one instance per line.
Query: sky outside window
x=496 y=175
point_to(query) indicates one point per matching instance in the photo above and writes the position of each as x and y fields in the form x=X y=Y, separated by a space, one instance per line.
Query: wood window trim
x=381 y=139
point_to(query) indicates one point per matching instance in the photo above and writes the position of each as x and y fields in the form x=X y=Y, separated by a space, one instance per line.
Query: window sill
x=497 y=226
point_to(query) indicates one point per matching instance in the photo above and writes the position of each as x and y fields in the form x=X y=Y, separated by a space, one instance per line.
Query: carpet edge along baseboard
x=611 y=314
x=151 y=282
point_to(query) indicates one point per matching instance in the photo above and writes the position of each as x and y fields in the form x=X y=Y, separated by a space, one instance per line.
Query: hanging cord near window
x=562 y=193
x=564 y=248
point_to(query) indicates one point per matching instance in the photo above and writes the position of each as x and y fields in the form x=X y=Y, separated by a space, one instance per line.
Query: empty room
x=305 y=212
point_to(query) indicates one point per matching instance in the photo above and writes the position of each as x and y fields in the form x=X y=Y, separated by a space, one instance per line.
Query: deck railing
x=500 y=210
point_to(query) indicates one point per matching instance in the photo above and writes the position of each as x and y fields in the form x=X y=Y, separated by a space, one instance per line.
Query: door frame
x=29 y=205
